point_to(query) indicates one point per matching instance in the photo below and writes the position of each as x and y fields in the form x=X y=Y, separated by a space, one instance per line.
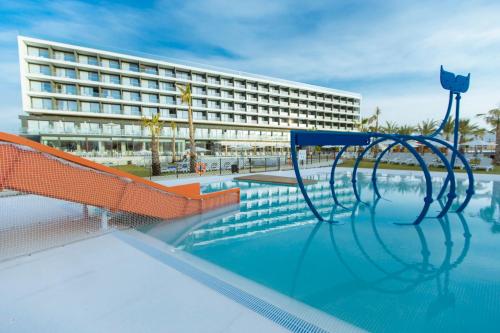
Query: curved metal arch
x=451 y=194
x=470 y=190
x=427 y=199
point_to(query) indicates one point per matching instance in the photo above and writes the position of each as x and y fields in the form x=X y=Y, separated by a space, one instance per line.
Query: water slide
x=30 y=167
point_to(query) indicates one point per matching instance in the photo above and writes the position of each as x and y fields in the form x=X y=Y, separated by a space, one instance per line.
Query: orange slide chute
x=31 y=167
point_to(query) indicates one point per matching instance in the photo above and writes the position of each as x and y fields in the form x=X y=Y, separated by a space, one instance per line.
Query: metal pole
x=220 y=166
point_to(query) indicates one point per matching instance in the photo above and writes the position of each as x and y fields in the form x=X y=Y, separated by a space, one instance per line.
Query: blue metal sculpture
x=455 y=84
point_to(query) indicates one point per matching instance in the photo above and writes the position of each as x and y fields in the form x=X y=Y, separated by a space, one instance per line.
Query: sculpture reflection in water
x=374 y=275
x=455 y=84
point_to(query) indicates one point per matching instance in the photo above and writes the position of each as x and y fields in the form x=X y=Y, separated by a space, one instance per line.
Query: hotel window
x=40 y=86
x=89 y=91
x=132 y=129
x=167 y=86
x=226 y=106
x=182 y=114
x=226 y=82
x=108 y=78
x=198 y=115
x=149 y=69
x=150 y=98
x=201 y=132
x=111 y=129
x=90 y=107
x=38 y=52
x=198 y=77
x=213 y=80
x=90 y=76
x=128 y=66
x=41 y=103
x=165 y=113
x=198 y=102
x=90 y=128
x=167 y=72
x=69 y=89
x=213 y=116
x=111 y=93
x=182 y=75
x=131 y=110
x=69 y=127
x=227 y=117
x=112 y=108
x=213 y=104
x=169 y=100
x=149 y=112
x=66 y=105
x=66 y=72
x=33 y=127
x=88 y=60
x=39 y=69
x=213 y=92
x=131 y=96
x=66 y=56
x=199 y=91
x=149 y=84
x=110 y=63
x=130 y=81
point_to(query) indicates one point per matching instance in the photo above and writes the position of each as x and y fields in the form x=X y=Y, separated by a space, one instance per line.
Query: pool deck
x=105 y=285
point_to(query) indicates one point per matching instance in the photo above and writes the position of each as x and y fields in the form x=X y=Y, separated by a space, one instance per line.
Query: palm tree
x=364 y=124
x=466 y=130
x=390 y=127
x=155 y=125
x=173 y=126
x=376 y=116
x=406 y=130
x=426 y=127
x=186 y=98
x=492 y=118
x=448 y=128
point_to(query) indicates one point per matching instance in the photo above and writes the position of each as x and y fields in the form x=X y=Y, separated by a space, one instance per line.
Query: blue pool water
x=443 y=276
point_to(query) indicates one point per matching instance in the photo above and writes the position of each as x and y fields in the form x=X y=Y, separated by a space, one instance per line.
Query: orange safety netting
x=30 y=167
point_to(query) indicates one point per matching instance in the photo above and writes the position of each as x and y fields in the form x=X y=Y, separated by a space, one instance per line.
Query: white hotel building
x=91 y=101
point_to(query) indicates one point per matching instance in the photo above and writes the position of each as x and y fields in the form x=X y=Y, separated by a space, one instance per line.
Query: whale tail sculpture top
x=455 y=84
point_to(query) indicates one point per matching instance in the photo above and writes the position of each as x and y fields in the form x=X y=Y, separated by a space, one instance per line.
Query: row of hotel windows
x=67 y=127
x=167 y=72
x=133 y=110
x=71 y=89
x=169 y=86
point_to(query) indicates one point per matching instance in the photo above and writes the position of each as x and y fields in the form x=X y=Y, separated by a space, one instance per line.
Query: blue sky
x=389 y=51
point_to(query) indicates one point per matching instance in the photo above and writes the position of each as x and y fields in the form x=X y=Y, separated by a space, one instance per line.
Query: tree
x=448 y=128
x=426 y=127
x=390 y=127
x=173 y=126
x=466 y=130
x=186 y=98
x=375 y=117
x=364 y=124
x=406 y=130
x=492 y=118
x=154 y=125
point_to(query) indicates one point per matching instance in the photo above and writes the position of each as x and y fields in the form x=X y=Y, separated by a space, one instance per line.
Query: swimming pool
x=443 y=275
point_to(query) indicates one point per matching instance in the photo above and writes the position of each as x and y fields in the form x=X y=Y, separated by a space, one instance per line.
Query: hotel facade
x=90 y=102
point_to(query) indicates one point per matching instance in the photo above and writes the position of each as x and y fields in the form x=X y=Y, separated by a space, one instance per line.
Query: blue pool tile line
x=270 y=311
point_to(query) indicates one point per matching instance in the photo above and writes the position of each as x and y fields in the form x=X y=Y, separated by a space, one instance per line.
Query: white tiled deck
x=105 y=285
